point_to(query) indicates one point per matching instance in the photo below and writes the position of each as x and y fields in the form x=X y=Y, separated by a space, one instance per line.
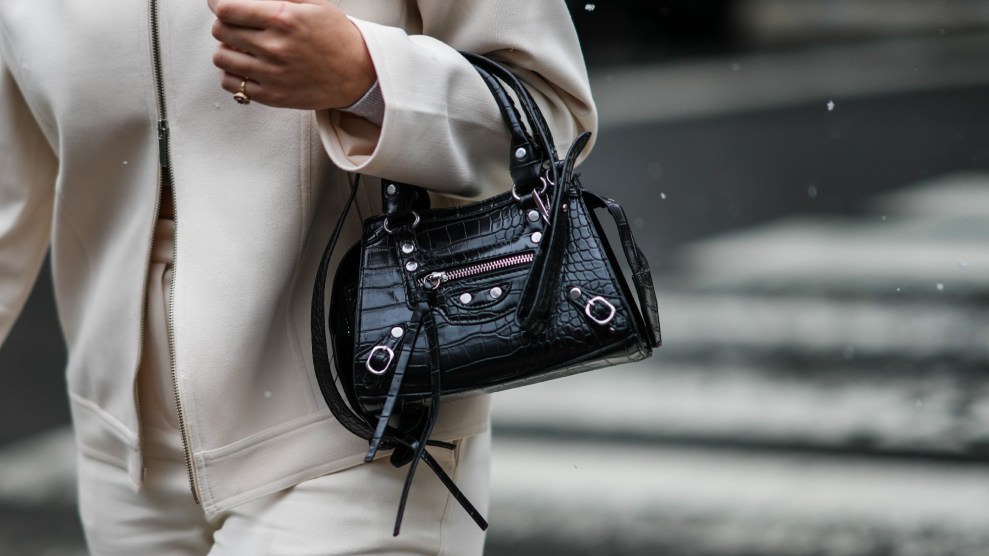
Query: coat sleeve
x=27 y=180
x=441 y=127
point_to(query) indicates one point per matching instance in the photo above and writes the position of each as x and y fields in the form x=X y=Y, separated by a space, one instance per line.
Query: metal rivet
x=408 y=248
x=537 y=237
x=397 y=332
x=520 y=153
x=391 y=189
x=575 y=293
x=533 y=216
x=496 y=293
x=412 y=266
x=466 y=298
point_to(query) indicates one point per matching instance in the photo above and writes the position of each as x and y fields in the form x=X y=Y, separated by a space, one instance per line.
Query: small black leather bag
x=513 y=290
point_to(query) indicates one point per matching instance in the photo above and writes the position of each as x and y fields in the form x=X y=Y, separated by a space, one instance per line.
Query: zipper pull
x=433 y=280
x=163 y=143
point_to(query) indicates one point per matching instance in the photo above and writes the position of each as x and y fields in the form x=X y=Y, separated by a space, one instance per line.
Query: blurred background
x=810 y=182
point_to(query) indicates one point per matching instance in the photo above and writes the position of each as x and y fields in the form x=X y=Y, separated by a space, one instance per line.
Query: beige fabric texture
x=257 y=191
x=339 y=514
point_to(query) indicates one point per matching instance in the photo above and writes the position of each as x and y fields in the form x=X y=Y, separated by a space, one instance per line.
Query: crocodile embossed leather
x=513 y=290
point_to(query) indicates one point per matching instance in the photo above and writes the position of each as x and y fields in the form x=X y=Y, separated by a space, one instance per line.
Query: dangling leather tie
x=428 y=324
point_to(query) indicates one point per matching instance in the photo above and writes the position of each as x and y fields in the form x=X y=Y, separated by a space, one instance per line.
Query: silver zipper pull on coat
x=163 y=144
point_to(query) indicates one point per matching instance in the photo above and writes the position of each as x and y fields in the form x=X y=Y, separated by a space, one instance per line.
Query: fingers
x=250 y=13
x=245 y=39
x=302 y=54
x=238 y=63
x=231 y=84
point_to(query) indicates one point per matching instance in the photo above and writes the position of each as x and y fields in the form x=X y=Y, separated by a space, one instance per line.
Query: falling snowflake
x=830 y=105
x=940 y=286
x=662 y=196
x=812 y=192
x=589 y=7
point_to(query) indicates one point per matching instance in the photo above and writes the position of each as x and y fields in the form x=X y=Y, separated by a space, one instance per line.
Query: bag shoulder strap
x=320 y=352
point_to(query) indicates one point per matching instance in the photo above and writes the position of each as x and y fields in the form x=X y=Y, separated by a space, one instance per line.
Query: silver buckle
x=391 y=357
x=606 y=303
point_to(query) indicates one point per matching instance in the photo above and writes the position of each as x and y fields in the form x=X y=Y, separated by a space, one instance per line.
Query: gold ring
x=240 y=96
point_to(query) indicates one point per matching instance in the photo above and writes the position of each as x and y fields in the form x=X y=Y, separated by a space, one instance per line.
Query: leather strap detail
x=408 y=346
x=406 y=199
x=638 y=265
x=419 y=446
x=350 y=419
x=525 y=170
x=457 y=494
x=536 y=297
x=529 y=106
x=570 y=161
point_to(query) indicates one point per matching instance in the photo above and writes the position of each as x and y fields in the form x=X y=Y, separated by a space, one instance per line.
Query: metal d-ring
x=415 y=222
x=370 y=357
x=606 y=303
x=542 y=189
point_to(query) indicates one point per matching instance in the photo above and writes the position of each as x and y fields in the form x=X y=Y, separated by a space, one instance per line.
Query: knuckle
x=285 y=17
x=279 y=49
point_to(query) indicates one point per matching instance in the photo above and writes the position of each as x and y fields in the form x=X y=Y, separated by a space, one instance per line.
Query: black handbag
x=513 y=290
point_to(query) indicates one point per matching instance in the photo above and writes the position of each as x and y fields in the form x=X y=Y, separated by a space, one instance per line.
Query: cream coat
x=256 y=192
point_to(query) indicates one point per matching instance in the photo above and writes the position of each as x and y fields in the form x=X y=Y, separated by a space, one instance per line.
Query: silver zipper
x=434 y=280
x=165 y=175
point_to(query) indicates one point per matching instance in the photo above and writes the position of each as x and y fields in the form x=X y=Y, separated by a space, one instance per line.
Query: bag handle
x=532 y=159
x=638 y=264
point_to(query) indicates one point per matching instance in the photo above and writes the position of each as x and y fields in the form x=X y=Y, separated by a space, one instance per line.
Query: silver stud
x=397 y=332
x=537 y=237
x=466 y=298
x=412 y=266
x=575 y=293
x=408 y=248
x=496 y=293
x=520 y=153
x=533 y=216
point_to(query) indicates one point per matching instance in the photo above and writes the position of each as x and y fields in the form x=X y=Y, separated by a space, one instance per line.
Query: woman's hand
x=301 y=54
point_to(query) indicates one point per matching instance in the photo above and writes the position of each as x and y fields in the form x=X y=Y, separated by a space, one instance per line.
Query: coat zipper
x=165 y=176
x=434 y=280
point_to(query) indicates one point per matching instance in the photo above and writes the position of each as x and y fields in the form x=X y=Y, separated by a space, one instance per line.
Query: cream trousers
x=350 y=512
